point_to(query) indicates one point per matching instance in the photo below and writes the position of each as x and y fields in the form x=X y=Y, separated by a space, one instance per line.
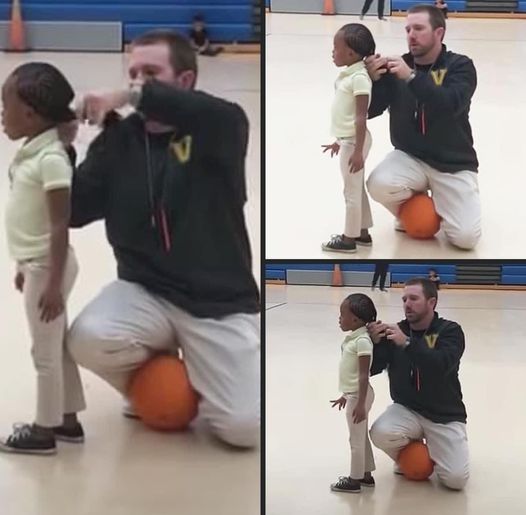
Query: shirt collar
x=39 y=142
x=349 y=70
x=357 y=332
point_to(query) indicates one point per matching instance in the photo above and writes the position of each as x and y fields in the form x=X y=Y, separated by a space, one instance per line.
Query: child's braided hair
x=44 y=88
x=359 y=38
x=362 y=306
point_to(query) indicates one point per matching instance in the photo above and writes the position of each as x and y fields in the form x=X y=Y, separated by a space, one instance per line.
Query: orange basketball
x=419 y=218
x=414 y=461
x=162 y=395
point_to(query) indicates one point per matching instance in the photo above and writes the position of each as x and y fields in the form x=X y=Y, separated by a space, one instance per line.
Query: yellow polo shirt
x=357 y=344
x=352 y=81
x=39 y=166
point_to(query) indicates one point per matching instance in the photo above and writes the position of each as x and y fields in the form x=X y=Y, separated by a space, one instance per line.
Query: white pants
x=362 y=459
x=59 y=389
x=357 y=209
x=456 y=195
x=125 y=325
x=447 y=443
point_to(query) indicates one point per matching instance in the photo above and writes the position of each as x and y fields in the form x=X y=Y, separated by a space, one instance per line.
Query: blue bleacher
x=404 y=5
x=227 y=20
x=514 y=274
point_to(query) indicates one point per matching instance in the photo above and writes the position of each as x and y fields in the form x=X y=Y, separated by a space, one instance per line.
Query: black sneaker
x=346 y=484
x=25 y=440
x=366 y=241
x=338 y=245
x=73 y=434
x=368 y=481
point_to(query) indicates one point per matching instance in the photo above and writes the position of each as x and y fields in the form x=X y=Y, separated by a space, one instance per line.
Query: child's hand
x=19 y=281
x=334 y=148
x=51 y=303
x=356 y=162
x=359 y=414
x=341 y=402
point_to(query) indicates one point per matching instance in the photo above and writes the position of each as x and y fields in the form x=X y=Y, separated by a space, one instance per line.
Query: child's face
x=199 y=26
x=17 y=117
x=348 y=320
x=342 y=55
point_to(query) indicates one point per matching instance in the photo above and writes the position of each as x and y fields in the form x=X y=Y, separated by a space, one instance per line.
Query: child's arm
x=51 y=302
x=364 y=364
x=356 y=161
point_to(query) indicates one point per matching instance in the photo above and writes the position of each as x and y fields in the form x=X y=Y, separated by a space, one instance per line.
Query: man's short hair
x=428 y=287
x=182 y=55
x=436 y=16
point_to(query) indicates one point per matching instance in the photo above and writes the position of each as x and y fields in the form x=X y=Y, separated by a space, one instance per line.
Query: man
x=422 y=356
x=428 y=93
x=169 y=182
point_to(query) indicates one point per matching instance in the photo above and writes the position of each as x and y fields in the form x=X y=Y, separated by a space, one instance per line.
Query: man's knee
x=81 y=337
x=381 y=436
x=453 y=479
x=238 y=430
x=464 y=238
x=379 y=186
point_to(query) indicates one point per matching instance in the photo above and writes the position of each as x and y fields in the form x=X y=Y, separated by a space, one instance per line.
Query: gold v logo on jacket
x=182 y=149
x=438 y=76
x=431 y=340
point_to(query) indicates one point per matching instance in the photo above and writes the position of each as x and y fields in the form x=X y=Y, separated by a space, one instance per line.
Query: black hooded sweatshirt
x=173 y=202
x=429 y=117
x=424 y=376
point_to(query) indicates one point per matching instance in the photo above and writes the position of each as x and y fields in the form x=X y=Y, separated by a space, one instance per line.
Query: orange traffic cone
x=17 y=40
x=328 y=7
x=337 y=278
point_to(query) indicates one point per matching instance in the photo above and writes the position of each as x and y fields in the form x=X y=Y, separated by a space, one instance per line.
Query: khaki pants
x=456 y=195
x=357 y=210
x=447 y=443
x=362 y=459
x=125 y=325
x=59 y=389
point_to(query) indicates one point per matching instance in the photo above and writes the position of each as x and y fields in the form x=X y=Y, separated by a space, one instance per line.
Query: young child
x=36 y=99
x=433 y=276
x=442 y=6
x=356 y=311
x=352 y=43
x=199 y=38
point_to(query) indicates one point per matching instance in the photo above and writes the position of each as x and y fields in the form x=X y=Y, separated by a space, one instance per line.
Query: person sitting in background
x=199 y=38
x=434 y=277
x=442 y=6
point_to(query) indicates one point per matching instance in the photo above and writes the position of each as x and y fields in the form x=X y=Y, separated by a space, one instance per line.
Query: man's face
x=416 y=306
x=151 y=62
x=421 y=38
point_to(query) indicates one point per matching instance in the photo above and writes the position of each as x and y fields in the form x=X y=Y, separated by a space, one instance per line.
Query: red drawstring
x=423 y=121
x=166 y=233
x=417 y=380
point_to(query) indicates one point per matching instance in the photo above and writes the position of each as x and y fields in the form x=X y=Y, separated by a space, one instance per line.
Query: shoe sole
x=346 y=491
x=69 y=439
x=327 y=249
x=39 y=452
x=364 y=244
x=367 y=485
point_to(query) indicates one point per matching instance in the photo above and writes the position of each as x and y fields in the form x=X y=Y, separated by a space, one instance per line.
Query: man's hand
x=376 y=66
x=341 y=402
x=395 y=335
x=334 y=148
x=398 y=67
x=95 y=106
x=376 y=330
